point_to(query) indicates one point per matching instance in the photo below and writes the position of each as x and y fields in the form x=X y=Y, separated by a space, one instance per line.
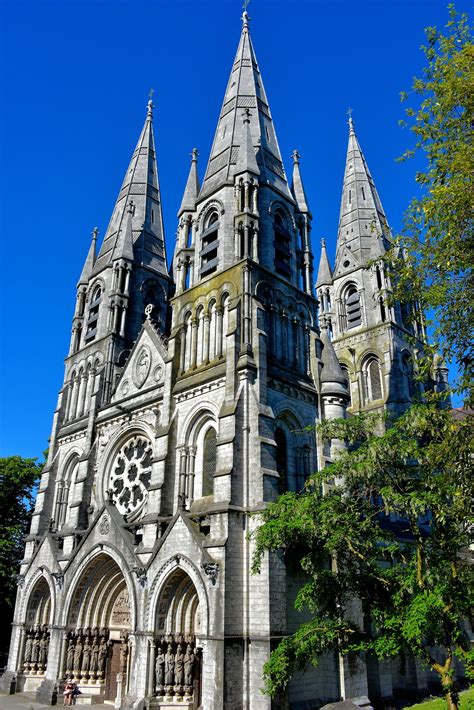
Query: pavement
x=26 y=701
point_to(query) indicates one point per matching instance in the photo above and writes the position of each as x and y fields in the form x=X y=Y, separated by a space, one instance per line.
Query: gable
x=145 y=367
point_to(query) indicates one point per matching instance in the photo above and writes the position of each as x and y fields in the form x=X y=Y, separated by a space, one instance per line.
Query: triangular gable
x=45 y=554
x=145 y=366
x=181 y=537
x=346 y=262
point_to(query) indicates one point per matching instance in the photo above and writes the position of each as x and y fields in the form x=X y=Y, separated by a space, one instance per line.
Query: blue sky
x=74 y=93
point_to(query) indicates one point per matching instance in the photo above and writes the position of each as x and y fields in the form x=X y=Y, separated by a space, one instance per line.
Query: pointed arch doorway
x=34 y=660
x=177 y=661
x=99 y=622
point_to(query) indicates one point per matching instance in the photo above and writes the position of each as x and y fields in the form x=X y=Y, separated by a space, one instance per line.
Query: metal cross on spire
x=245 y=16
x=151 y=105
x=350 y=121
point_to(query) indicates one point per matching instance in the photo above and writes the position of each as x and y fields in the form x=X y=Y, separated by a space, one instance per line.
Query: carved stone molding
x=212 y=570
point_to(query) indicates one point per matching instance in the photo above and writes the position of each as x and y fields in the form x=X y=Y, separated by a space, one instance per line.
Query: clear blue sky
x=75 y=81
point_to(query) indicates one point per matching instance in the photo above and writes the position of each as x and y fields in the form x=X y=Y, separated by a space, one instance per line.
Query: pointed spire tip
x=245 y=16
x=296 y=157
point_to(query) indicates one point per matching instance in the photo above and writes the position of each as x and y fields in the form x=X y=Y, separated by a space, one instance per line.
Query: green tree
x=389 y=523
x=18 y=480
x=433 y=257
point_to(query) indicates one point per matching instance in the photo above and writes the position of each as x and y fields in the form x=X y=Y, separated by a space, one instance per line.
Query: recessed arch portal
x=37 y=633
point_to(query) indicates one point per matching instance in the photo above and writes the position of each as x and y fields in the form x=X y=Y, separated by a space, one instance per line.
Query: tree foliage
x=433 y=257
x=18 y=480
x=389 y=523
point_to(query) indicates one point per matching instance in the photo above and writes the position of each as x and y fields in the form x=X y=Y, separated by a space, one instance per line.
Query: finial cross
x=245 y=5
x=194 y=154
x=349 y=113
x=150 y=94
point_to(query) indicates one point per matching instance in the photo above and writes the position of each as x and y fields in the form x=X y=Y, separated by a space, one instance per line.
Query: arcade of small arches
x=294 y=454
x=80 y=388
x=98 y=640
x=203 y=332
x=197 y=460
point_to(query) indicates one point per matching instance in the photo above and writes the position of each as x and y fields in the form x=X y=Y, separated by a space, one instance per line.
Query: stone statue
x=78 y=655
x=102 y=656
x=179 y=666
x=123 y=657
x=70 y=655
x=169 y=666
x=94 y=664
x=43 y=651
x=189 y=666
x=35 y=649
x=160 y=667
x=28 y=649
x=86 y=656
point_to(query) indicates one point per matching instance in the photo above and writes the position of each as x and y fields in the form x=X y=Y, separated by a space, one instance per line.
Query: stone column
x=205 y=350
x=182 y=473
x=82 y=395
x=75 y=390
x=194 y=342
x=219 y=314
x=123 y=311
x=182 y=363
x=191 y=473
x=151 y=667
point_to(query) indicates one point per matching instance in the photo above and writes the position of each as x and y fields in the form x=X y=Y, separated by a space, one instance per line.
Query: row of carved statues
x=176 y=666
x=35 y=655
x=86 y=654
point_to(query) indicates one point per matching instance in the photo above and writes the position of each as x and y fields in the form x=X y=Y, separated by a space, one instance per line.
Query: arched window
x=282 y=246
x=209 y=245
x=187 y=342
x=93 y=317
x=281 y=458
x=345 y=372
x=209 y=462
x=200 y=335
x=383 y=311
x=372 y=380
x=353 y=311
x=189 y=233
x=65 y=491
x=408 y=375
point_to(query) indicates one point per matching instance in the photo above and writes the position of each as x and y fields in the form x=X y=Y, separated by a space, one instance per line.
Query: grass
x=466 y=702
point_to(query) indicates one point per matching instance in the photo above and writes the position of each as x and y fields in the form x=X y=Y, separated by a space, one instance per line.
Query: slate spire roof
x=324 y=271
x=141 y=186
x=191 y=191
x=90 y=259
x=363 y=229
x=245 y=90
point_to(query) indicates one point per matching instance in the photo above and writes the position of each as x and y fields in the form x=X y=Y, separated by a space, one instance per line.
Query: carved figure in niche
x=35 y=649
x=102 y=655
x=43 y=651
x=160 y=667
x=189 y=666
x=70 y=655
x=94 y=663
x=86 y=656
x=169 y=666
x=78 y=655
x=28 y=648
x=123 y=657
x=179 y=665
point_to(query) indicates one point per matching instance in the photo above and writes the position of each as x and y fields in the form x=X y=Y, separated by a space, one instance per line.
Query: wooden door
x=113 y=667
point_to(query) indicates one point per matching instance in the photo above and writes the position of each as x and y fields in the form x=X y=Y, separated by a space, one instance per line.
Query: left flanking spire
x=140 y=186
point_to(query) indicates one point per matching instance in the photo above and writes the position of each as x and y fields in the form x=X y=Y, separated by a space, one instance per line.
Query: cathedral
x=191 y=391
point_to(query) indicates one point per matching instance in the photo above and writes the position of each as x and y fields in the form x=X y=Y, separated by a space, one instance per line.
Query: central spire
x=245 y=90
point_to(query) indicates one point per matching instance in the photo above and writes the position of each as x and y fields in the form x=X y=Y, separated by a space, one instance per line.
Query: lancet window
x=372 y=379
x=198 y=461
x=282 y=246
x=65 y=491
x=351 y=308
x=209 y=245
x=93 y=316
x=203 y=334
x=293 y=455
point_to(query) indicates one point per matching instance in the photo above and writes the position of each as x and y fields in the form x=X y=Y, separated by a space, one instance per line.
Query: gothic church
x=187 y=397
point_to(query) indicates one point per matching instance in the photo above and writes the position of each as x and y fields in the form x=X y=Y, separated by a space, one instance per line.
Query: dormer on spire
x=124 y=245
x=191 y=191
x=363 y=229
x=90 y=260
x=247 y=163
x=297 y=188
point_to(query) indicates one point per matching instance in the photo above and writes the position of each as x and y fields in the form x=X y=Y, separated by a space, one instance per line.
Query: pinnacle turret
x=90 y=260
x=333 y=380
x=363 y=232
x=324 y=270
x=245 y=90
x=297 y=188
x=191 y=191
x=141 y=186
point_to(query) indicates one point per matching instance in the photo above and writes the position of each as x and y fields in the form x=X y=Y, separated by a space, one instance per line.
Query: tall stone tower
x=372 y=339
x=189 y=402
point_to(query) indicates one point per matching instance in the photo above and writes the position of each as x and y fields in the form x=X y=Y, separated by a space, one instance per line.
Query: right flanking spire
x=363 y=231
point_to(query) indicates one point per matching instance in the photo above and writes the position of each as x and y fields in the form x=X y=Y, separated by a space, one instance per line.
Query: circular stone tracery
x=130 y=476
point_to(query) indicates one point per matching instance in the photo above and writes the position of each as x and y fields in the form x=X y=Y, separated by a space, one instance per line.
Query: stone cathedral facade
x=184 y=409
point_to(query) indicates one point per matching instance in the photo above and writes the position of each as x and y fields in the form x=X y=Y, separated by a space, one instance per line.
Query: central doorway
x=99 y=622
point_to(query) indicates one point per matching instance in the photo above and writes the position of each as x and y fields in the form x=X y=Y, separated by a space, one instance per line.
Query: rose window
x=130 y=476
